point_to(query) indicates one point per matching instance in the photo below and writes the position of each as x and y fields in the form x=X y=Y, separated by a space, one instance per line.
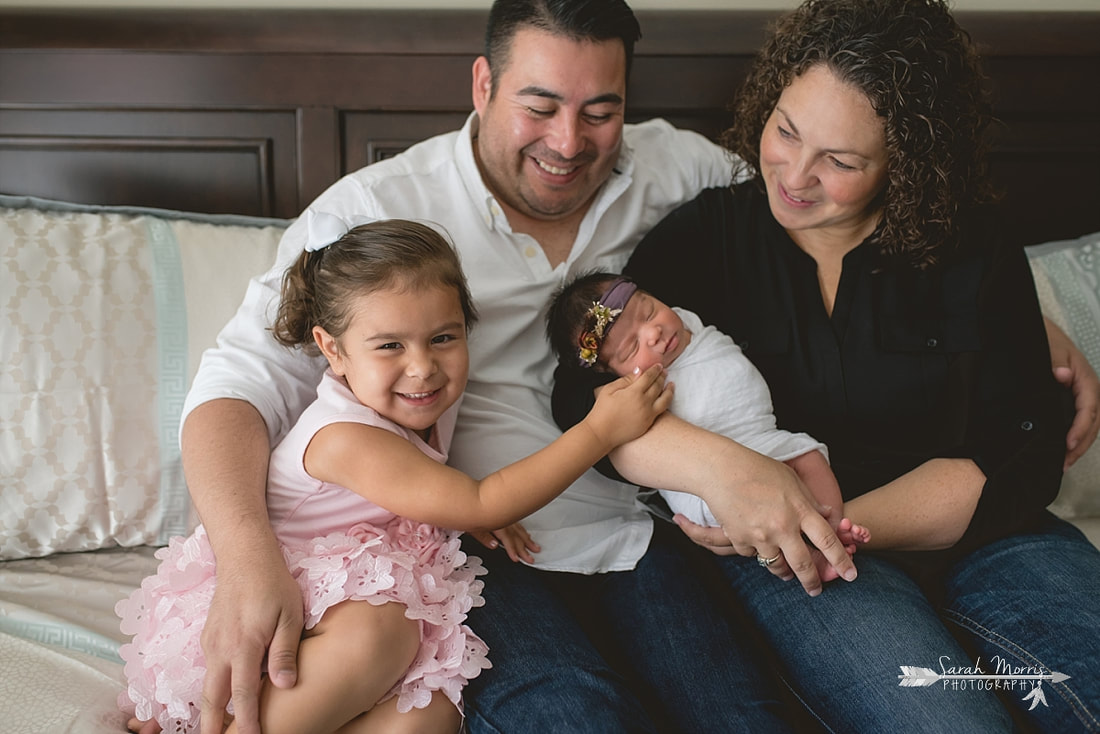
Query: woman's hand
x=715 y=540
x=762 y=506
x=775 y=519
x=1074 y=371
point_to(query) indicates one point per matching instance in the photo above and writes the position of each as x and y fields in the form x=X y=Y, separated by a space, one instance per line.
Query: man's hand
x=256 y=610
x=514 y=538
x=1074 y=371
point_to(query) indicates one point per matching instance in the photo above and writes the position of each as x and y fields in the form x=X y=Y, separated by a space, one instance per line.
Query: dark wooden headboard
x=257 y=112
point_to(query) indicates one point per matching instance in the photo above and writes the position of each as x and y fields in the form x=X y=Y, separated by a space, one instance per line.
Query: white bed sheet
x=59 y=667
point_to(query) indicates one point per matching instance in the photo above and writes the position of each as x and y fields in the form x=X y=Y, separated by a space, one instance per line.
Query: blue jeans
x=634 y=651
x=1028 y=601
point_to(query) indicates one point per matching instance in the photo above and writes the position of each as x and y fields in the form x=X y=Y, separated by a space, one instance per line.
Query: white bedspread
x=59 y=638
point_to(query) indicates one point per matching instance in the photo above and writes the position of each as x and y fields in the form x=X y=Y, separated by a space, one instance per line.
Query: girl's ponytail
x=297 y=312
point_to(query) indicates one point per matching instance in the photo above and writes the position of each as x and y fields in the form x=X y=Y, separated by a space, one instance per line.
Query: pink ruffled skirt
x=414 y=564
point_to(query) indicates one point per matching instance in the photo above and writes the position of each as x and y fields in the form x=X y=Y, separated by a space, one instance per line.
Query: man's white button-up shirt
x=597 y=524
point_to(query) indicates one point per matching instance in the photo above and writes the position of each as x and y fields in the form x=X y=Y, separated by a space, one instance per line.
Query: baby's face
x=646 y=333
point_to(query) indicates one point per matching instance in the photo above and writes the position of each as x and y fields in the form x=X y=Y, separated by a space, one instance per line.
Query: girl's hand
x=627 y=407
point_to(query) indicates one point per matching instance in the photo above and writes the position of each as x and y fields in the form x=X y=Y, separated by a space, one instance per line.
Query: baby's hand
x=627 y=407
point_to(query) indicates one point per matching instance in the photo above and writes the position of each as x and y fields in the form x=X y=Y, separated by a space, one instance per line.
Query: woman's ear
x=330 y=348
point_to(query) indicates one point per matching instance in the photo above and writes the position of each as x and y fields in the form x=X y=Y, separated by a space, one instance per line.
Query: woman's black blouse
x=911 y=365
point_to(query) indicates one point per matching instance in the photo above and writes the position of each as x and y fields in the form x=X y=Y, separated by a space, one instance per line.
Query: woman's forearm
x=761 y=504
x=678 y=455
x=928 y=508
x=225 y=451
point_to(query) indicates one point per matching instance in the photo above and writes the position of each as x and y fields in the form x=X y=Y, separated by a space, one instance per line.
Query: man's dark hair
x=578 y=20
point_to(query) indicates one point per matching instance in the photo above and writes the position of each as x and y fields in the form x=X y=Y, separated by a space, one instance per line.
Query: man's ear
x=329 y=347
x=482 y=84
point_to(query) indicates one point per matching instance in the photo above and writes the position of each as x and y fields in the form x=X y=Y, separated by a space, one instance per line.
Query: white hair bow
x=322 y=228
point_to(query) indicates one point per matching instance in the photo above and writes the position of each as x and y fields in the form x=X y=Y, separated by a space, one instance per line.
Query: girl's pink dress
x=338 y=546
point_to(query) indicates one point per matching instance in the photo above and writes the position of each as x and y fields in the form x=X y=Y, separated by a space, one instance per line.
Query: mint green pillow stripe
x=67 y=636
x=171 y=305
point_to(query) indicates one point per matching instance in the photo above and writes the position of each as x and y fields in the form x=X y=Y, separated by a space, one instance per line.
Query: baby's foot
x=852 y=535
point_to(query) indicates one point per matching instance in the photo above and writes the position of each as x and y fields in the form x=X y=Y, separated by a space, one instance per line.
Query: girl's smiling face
x=646 y=333
x=404 y=353
x=823 y=157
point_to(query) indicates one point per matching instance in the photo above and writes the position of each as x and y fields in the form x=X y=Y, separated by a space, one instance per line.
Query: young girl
x=605 y=323
x=357 y=495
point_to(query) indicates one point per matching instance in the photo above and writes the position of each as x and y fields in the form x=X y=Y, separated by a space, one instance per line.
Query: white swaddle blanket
x=719 y=389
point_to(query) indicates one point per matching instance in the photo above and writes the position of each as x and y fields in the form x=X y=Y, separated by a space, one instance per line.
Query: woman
x=859 y=270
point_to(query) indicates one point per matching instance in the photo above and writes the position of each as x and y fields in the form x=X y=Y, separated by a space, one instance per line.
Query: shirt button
x=1027 y=425
x=530 y=251
x=932 y=342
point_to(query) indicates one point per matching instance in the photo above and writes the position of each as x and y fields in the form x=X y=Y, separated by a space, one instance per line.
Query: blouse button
x=530 y=251
x=1027 y=425
x=932 y=342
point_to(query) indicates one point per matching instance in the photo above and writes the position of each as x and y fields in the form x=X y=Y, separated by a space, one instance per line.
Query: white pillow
x=1067 y=279
x=104 y=313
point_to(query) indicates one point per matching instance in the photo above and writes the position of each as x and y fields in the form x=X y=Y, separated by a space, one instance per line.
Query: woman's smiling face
x=823 y=157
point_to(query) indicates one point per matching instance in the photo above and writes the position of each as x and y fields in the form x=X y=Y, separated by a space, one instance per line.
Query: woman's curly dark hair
x=922 y=75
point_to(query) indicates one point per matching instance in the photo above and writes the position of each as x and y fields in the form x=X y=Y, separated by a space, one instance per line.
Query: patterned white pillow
x=1067 y=279
x=104 y=313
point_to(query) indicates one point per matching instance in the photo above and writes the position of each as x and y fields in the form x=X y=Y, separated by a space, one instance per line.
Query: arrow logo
x=916 y=677
x=913 y=676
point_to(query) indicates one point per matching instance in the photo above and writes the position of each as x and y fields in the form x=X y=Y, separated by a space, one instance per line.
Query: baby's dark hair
x=320 y=287
x=568 y=313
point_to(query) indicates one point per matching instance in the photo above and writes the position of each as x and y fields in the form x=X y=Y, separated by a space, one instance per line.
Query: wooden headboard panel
x=257 y=112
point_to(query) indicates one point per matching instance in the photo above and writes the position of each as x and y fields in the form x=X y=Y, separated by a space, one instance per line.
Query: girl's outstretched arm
x=392 y=473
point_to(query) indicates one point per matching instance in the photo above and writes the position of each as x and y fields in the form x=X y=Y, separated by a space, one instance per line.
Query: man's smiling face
x=549 y=135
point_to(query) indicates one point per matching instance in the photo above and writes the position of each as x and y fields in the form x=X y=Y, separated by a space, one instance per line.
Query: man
x=543 y=182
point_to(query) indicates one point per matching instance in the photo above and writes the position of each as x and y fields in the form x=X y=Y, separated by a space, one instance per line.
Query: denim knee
x=571 y=698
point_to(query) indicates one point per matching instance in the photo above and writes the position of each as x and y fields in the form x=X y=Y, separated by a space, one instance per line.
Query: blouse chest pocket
x=934 y=315
x=933 y=364
x=767 y=337
x=943 y=335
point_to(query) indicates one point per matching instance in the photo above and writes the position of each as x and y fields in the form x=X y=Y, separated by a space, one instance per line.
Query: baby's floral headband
x=599 y=319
